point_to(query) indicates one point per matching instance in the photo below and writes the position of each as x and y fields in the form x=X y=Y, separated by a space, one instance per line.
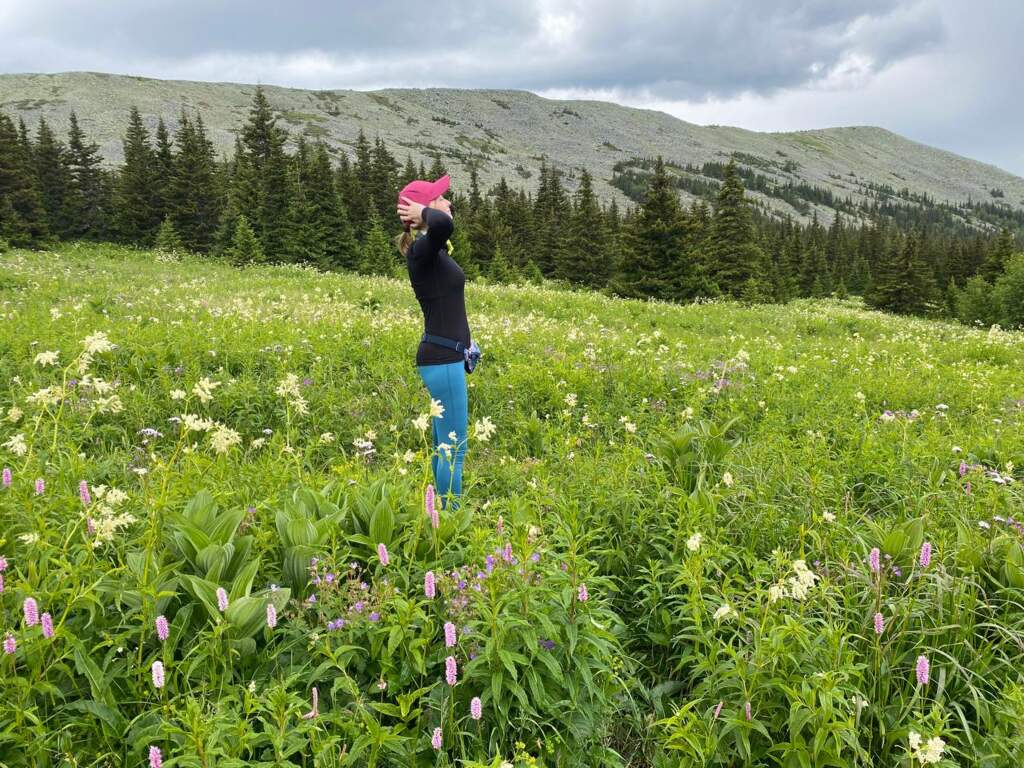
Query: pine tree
x=53 y=177
x=734 y=256
x=167 y=239
x=998 y=255
x=586 y=259
x=378 y=251
x=245 y=247
x=193 y=204
x=653 y=262
x=550 y=209
x=976 y=305
x=1009 y=292
x=328 y=212
x=359 y=198
x=136 y=214
x=85 y=194
x=163 y=167
x=22 y=216
x=500 y=271
x=307 y=233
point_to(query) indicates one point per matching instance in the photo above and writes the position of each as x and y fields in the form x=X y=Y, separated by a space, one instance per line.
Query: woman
x=438 y=283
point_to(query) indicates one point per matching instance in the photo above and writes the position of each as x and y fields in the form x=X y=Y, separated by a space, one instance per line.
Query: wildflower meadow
x=700 y=535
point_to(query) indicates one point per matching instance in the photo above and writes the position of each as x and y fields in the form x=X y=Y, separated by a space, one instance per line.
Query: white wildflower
x=436 y=408
x=693 y=543
x=97 y=342
x=46 y=358
x=16 y=445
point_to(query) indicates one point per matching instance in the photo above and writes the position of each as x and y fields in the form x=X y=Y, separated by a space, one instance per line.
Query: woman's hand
x=410 y=212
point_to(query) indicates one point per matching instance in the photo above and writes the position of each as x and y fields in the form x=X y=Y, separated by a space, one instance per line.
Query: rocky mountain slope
x=508 y=132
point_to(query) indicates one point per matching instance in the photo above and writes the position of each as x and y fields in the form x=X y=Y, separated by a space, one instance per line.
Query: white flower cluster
x=16 y=445
x=483 y=429
x=47 y=396
x=106 y=522
x=203 y=389
x=796 y=586
x=288 y=388
x=46 y=358
x=932 y=751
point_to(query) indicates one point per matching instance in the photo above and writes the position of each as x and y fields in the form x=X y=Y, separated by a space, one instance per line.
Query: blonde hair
x=404 y=240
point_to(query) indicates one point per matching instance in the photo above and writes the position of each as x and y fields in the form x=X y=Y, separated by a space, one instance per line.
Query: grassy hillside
x=509 y=132
x=664 y=556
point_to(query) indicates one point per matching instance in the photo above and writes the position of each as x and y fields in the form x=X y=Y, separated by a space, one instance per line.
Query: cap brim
x=440 y=186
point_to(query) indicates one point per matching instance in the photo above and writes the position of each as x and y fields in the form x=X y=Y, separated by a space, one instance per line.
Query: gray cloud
x=823 y=58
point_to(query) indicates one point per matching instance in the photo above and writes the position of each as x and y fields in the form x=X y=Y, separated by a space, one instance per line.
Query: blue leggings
x=447 y=383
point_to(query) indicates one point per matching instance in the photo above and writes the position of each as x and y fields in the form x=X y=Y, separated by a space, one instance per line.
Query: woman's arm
x=439 y=229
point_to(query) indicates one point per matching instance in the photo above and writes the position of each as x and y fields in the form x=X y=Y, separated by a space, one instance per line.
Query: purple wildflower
x=40 y=486
x=222 y=599
x=358 y=606
x=83 y=493
x=926 y=554
x=476 y=708
x=718 y=709
x=922 y=670
x=435 y=740
x=374 y=616
x=581 y=593
x=7 y=477
x=451 y=670
x=435 y=521
x=162 y=630
x=156 y=760
x=449 y=634
x=747 y=709
x=271 y=615
x=490 y=563
x=382 y=553
x=10 y=644
x=47 y=621
x=31 y=610
x=879 y=624
x=429 y=585
x=3 y=563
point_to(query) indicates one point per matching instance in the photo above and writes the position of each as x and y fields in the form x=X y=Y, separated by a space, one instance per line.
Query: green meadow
x=692 y=535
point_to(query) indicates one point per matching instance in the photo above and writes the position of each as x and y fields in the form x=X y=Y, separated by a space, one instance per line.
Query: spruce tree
x=136 y=214
x=500 y=271
x=733 y=254
x=976 y=304
x=22 y=217
x=379 y=252
x=167 y=239
x=998 y=255
x=193 y=203
x=163 y=167
x=245 y=246
x=328 y=212
x=85 y=188
x=550 y=210
x=653 y=262
x=586 y=259
x=53 y=177
x=1009 y=292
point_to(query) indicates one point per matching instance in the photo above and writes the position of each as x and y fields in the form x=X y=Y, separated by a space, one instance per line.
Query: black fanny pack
x=471 y=354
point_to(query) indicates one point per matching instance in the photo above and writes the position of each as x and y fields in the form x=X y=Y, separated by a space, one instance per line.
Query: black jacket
x=439 y=286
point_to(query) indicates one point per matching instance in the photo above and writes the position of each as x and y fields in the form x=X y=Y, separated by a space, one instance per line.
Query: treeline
x=265 y=204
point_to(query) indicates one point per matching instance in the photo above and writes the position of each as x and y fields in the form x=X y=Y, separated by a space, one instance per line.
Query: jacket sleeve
x=439 y=229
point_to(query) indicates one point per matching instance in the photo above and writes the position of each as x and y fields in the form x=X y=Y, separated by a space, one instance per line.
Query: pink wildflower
x=435 y=740
x=476 y=710
x=451 y=670
x=158 y=674
x=222 y=599
x=926 y=554
x=7 y=477
x=581 y=594
x=874 y=560
x=40 y=486
x=31 y=610
x=747 y=709
x=271 y=615
x=382 y=553
x=429 y=586
x=449 y=634
x=156 y=760
x=83 y=493
x=47 y=621
x=10 y=644
x=922 y=670
x=879 y=624
x=718 y=709
x=162 y=630
x=435 y=521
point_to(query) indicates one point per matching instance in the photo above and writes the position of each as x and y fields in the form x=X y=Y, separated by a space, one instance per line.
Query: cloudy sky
x=943 y=72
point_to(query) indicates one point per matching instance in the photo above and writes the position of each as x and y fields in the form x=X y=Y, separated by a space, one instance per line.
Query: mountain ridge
x=509 y=132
